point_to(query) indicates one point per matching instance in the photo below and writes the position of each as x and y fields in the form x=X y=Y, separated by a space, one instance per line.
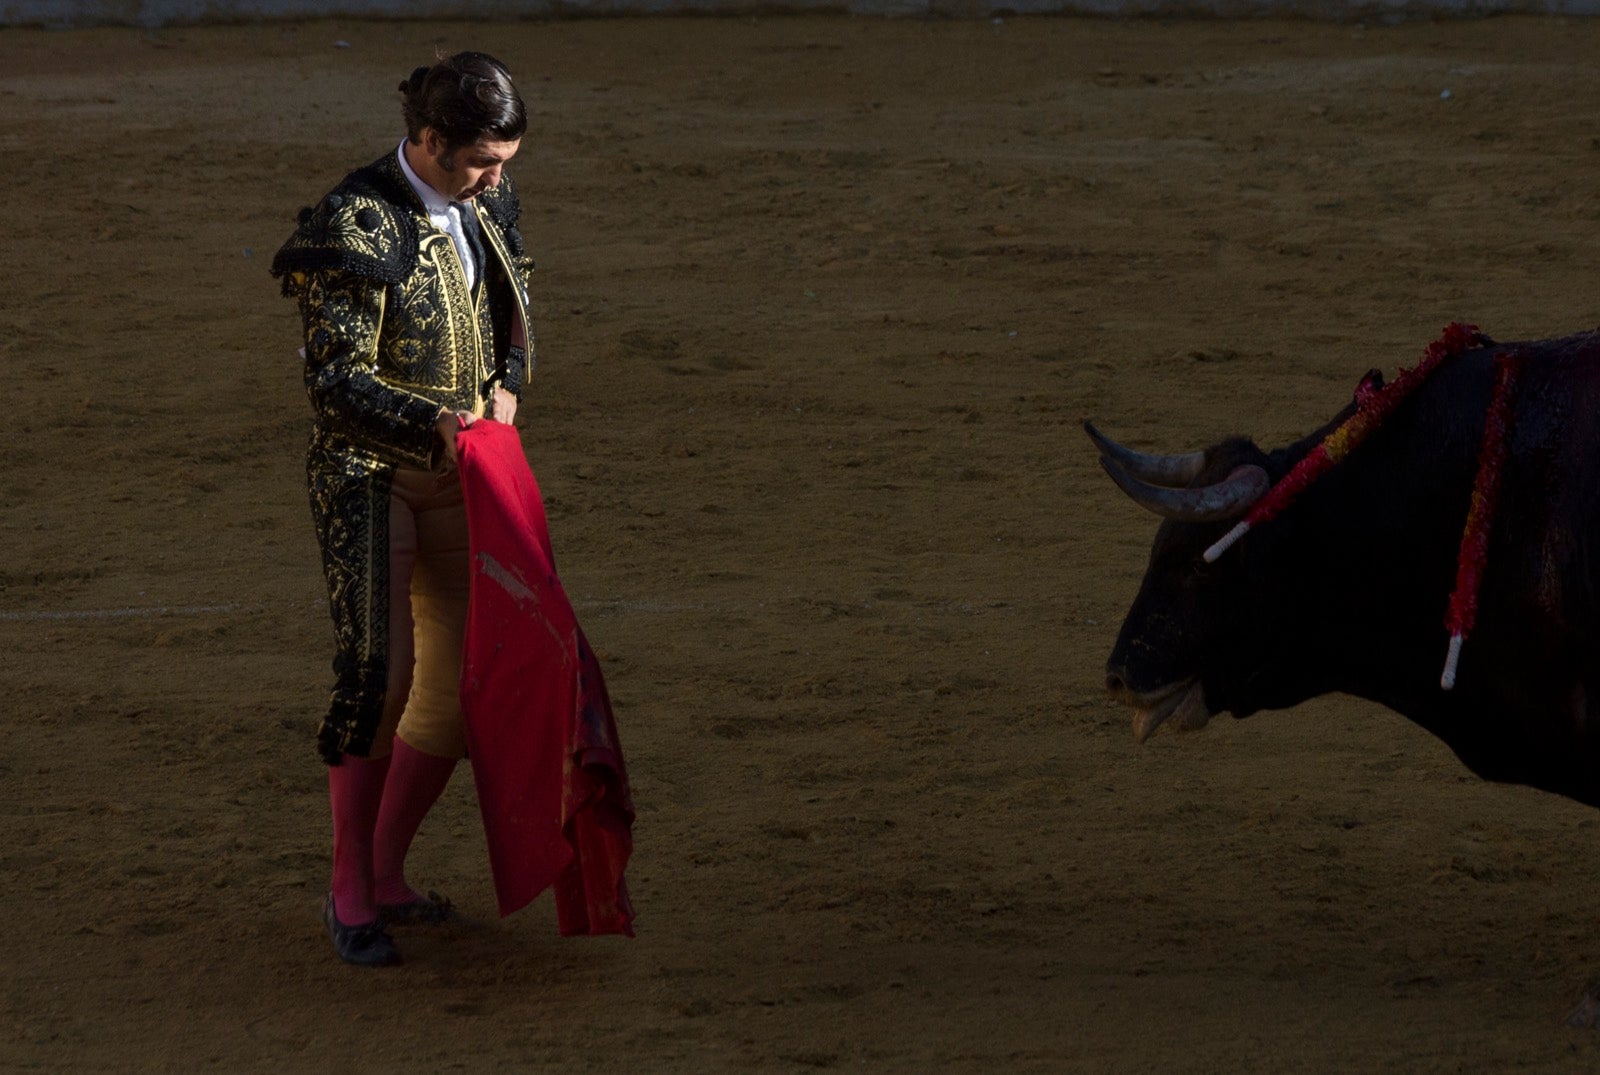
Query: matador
x=412 y=282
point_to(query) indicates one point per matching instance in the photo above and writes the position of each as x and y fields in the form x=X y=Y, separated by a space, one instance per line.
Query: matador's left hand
x=502 y=406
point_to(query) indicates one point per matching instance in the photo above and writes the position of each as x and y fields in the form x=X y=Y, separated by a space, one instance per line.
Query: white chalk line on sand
x=152 y=612
x=119 y=613
x=594 y=604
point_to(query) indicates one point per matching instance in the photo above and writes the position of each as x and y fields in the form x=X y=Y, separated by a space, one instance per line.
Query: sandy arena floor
x=821 y=304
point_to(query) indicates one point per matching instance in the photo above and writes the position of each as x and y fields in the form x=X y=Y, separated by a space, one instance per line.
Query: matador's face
x=461 y=173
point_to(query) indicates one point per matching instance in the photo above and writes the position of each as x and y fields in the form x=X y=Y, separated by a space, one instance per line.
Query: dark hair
x=466 y=98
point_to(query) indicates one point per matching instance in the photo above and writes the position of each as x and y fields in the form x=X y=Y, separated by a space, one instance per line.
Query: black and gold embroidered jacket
x=393 y=338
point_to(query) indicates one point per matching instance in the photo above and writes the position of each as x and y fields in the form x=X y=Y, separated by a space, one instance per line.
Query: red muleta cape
x=545 y=755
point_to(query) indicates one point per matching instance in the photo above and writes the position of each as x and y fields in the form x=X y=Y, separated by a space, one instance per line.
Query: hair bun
x=414 y=83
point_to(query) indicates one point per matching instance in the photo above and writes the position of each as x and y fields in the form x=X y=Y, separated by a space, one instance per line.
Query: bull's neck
x=1371 y=554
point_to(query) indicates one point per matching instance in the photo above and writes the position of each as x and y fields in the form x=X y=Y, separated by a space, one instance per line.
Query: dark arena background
x=822 y=302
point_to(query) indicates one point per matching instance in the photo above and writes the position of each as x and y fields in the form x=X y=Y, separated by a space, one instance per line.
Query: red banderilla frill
x=1372 y=409
x=1474 y=554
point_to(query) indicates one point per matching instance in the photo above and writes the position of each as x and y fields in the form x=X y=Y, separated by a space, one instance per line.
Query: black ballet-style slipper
x=364 y=946
x=430 y=910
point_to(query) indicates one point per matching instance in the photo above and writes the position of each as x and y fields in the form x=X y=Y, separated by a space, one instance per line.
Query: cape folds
x=548 y=765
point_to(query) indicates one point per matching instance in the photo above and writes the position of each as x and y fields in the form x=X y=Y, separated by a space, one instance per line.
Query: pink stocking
x=355 y=789
x=415 y=782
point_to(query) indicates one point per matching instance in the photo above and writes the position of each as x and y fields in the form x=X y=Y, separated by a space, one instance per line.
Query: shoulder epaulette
x=360 y=227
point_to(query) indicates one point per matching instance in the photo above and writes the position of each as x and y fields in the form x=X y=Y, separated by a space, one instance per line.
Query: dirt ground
x=821 y=303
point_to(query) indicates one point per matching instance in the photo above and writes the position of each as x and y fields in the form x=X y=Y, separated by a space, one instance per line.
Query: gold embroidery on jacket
x=393 y=335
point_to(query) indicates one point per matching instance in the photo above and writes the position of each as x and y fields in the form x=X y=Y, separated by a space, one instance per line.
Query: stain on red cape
x=545 y=755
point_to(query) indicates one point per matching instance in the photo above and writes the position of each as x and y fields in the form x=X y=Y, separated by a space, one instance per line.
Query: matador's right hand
x=448 y=424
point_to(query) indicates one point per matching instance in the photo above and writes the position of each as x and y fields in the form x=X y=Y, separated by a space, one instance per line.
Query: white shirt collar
x=435 y=203
x=445 y=215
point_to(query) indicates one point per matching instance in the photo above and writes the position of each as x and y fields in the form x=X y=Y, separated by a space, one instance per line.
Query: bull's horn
x=1230 y=497
x=1173 y=471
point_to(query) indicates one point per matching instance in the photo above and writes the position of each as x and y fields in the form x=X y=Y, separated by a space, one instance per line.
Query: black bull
x=1347 y=589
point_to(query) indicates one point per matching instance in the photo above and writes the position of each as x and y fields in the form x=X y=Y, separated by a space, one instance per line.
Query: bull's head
x=1172 y=657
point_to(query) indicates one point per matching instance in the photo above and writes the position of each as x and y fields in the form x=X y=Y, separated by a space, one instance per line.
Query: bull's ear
x=1370 y=386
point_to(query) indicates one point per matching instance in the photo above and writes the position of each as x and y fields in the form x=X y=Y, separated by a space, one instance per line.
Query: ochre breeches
x=428 y=585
